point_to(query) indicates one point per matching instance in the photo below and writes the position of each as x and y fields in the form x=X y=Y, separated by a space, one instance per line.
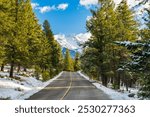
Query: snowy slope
x=66 y=41
x=22 y=87
x=72 y=42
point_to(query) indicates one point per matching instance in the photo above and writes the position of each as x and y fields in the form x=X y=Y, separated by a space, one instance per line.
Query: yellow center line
x=73 y=80
x=68 y=88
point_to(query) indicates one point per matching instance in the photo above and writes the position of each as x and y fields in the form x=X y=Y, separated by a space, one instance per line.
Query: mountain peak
x=72 y=42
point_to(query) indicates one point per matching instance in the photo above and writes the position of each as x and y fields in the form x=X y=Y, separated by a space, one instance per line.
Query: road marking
x=68 y=87
x=73 y=79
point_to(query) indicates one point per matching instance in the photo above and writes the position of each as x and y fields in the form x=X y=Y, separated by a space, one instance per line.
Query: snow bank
x=37 y=89
x=22 y=88
x=112 y=93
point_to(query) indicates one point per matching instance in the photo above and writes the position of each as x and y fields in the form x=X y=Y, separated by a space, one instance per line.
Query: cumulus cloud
x=62 y=6
x=131 y=3
x=88 y=3
x=44 y=9
x=139 y=11
x=34 y=5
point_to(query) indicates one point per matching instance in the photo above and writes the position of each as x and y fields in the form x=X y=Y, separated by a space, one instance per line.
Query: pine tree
x=5 y=28
x=127 y=24
x=21 y=27
x=107 y=26
x=102 y=27
x=59 y=59
x=77 y=62
x=13 y=46
x=142 y=57
x=68 y=63
x=140 y=60
x=23 y=39
x=22 y=47
x=88 y=63
x=25 y=28
x=126 y=29
x=56 y=54
x=140 y=63
x=48 y=31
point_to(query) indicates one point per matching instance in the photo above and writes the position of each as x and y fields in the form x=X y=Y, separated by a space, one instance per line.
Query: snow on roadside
x=112 y=93
x=86 y=77
x=22 y=88
x=33 y=91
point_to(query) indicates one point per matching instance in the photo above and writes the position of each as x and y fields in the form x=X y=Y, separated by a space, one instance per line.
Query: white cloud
x=62 y=6
x=88 y=3
x=139 y=11
x=46 y=8
x=34 y=5
x=131 y=3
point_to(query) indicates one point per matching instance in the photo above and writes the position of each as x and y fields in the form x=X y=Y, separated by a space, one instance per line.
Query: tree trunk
x=104 y=79
x=25 y=70
x=11 y=69
x=127 y=84
x=127 y=87
x=117 y=80
x=131 y=83
x=18 y=70
x=2 y=67
x=112 y=80
x=102 y=73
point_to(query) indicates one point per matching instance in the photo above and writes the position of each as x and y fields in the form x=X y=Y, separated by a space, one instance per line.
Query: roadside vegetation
x=24 y=43
x=118 y=52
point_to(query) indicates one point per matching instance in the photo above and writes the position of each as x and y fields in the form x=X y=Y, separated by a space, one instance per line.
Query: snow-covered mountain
x=72 y=42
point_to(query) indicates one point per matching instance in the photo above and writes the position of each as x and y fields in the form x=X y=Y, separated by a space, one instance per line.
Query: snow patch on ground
x=38 y=88
x=22 y=88
x=115 y=95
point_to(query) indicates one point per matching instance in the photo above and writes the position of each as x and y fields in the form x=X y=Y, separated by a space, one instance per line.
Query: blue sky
x=69 y=16
x=65 y=16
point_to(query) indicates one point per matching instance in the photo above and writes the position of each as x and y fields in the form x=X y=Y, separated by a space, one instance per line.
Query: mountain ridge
x=72 y=42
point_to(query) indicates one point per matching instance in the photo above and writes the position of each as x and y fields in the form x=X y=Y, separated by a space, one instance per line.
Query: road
x=70 y=86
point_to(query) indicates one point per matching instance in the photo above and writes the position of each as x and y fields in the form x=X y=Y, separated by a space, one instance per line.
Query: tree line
x=25 y=43
x=115 y=51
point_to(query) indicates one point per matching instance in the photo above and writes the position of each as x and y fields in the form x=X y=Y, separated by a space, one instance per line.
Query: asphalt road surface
x=70 y=86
